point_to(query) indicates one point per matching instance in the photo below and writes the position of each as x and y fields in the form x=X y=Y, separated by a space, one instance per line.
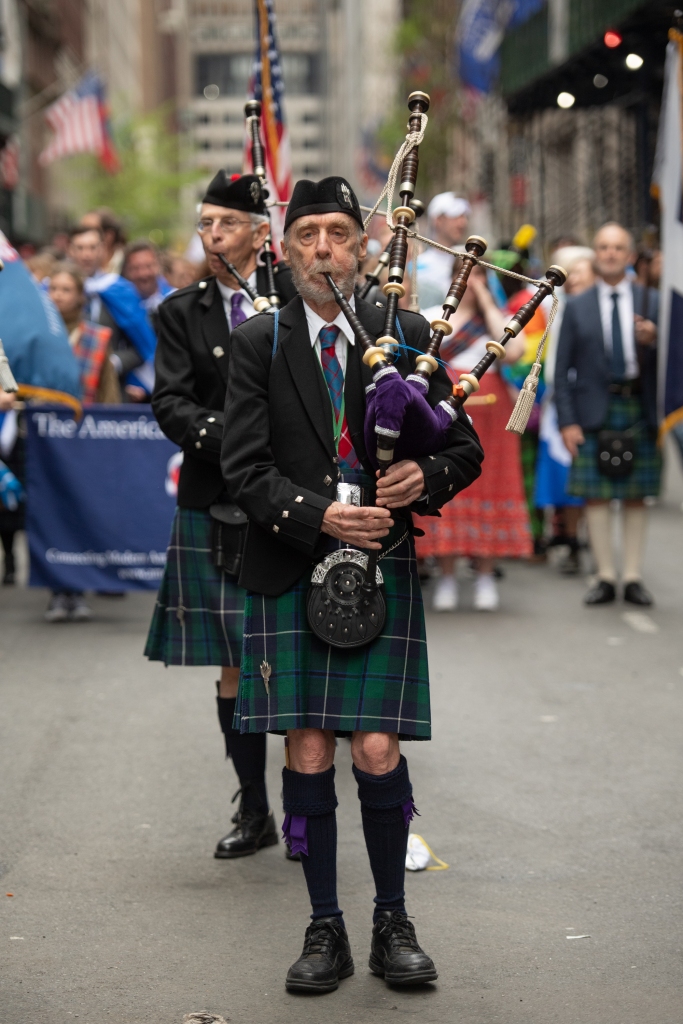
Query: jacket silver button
x=198 y=444
x=211 y=419
x=285 y=515
x=445 y=469
x=276 y=529
x=327 y=481
x=299 y=498
x=202 y=432
x=202 y=284
x=218 y=352
x=450 y=487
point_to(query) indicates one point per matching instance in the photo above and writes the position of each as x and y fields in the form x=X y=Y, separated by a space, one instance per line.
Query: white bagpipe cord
x=519 y=417
x=413 y=139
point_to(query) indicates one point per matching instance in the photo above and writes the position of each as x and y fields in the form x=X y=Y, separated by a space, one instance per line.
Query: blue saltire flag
x=32 y=331
x=667 y=178
x=123 y=302
x=481 y=27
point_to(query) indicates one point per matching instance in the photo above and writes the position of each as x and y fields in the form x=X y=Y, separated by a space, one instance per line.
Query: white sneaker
x=486 y=596
x=58 y=608
x=78 y=609
x=445 y=597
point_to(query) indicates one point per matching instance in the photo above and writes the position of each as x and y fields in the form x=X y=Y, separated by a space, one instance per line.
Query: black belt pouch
x=228 y=532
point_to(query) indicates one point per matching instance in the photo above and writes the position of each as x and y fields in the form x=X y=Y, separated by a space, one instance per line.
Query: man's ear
x=363 y=251
x=285 y=251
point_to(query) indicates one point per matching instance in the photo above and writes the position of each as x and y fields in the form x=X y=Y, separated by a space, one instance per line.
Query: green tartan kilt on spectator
x=585 y=479
x=198 y=615
x=383 y=687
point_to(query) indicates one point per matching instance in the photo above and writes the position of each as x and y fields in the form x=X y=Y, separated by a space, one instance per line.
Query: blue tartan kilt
x=199 y=611
x=586 y=480
x=383 y=687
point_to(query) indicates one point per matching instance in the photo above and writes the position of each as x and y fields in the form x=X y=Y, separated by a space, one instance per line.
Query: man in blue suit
x=606 y=381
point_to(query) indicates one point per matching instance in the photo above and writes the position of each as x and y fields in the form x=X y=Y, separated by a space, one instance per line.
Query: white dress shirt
x=315 y=325
x=625 y=305
x=247 y=304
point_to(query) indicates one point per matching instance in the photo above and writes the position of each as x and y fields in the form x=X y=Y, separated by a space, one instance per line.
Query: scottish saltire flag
x=667 y=183
x=481 y=27
x=32 y=331
x=123 y=302
x=268 y=87
x=80 y=123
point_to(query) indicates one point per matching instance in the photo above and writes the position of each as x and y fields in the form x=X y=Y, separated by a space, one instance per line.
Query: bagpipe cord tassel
x=519 y=417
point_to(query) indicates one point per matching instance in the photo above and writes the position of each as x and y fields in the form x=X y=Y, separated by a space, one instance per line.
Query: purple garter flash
x=294 y=833
x=409 y=811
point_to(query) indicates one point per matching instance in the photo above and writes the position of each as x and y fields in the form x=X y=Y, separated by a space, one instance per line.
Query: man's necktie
x=237 y=316
x=618 y=362
x=335 y=384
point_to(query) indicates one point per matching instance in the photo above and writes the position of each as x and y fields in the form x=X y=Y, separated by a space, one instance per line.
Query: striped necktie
x=335 y=385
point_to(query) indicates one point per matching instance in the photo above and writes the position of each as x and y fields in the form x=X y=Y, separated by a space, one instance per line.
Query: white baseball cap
x=448 y=204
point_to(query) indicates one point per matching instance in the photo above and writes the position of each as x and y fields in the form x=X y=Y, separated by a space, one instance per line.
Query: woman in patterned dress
x=490 y=519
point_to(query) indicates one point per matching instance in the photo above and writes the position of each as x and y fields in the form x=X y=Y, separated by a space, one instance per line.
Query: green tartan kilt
x=383 y=687
x=198 y=615
x=585 y=479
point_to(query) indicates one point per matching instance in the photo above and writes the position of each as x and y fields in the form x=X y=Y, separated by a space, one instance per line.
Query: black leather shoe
x=289 y=855
x=252 y=831
x=396 y=954
x=601 y=593
x=635 y=593
x=325 y=960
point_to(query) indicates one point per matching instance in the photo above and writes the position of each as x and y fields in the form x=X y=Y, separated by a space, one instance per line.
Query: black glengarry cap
x=331 y=195
x=236 y=192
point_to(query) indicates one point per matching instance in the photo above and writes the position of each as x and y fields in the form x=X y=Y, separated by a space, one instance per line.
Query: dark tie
x=237 y=316
x=618 y=363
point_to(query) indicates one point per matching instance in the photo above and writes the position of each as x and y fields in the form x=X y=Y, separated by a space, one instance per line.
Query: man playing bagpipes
x=293 y=451
x=198 y=616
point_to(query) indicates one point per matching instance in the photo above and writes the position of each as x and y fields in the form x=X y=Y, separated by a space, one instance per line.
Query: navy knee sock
x=310 y=826
x=386 y=804
x=248 y=753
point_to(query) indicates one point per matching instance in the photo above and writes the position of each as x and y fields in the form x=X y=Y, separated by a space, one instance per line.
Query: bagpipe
x=270 y=302
x=346 y=606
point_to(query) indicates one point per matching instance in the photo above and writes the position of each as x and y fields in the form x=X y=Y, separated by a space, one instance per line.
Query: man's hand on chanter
x=360 y=526
x=403 y=484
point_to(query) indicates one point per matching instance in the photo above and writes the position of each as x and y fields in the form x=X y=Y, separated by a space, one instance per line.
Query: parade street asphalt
x=552 y=788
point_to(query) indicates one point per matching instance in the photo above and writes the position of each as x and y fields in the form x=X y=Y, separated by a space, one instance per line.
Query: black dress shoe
x=635 y=593
x=601 y=593
x=289 y=855
x=252 y=831
x=325 y=960
x=396 y=954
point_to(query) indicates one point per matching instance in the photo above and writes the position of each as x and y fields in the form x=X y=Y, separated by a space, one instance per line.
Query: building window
x=301 y=74
x=228 y=72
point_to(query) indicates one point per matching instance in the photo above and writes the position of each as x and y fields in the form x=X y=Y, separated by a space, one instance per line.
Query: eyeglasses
x=226 y=225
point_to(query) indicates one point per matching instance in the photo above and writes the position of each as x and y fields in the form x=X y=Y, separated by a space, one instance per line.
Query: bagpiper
x=198 y=615
x=293 y=445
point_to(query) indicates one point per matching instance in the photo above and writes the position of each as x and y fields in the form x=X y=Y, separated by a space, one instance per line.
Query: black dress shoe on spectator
x=635 y=593
x=325 y=960
x=252 y=831
x=601 y=593
x=396 y=954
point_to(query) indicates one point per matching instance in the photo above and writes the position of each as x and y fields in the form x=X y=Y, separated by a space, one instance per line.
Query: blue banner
x=101 y=494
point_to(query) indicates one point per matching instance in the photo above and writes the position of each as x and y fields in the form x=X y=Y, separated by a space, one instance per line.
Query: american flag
x=80 y=122
x=268 y=87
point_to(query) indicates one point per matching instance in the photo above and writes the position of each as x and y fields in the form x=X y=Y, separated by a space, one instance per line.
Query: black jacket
x=582 y=372
x=191 y=367
x=278 y=454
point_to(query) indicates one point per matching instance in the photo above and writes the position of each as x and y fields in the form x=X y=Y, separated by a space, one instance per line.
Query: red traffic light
x=612 y=39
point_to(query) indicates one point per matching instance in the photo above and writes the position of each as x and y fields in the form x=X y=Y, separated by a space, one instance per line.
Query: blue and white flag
x=481 y=27
x=667 y=183
x=32 y=331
